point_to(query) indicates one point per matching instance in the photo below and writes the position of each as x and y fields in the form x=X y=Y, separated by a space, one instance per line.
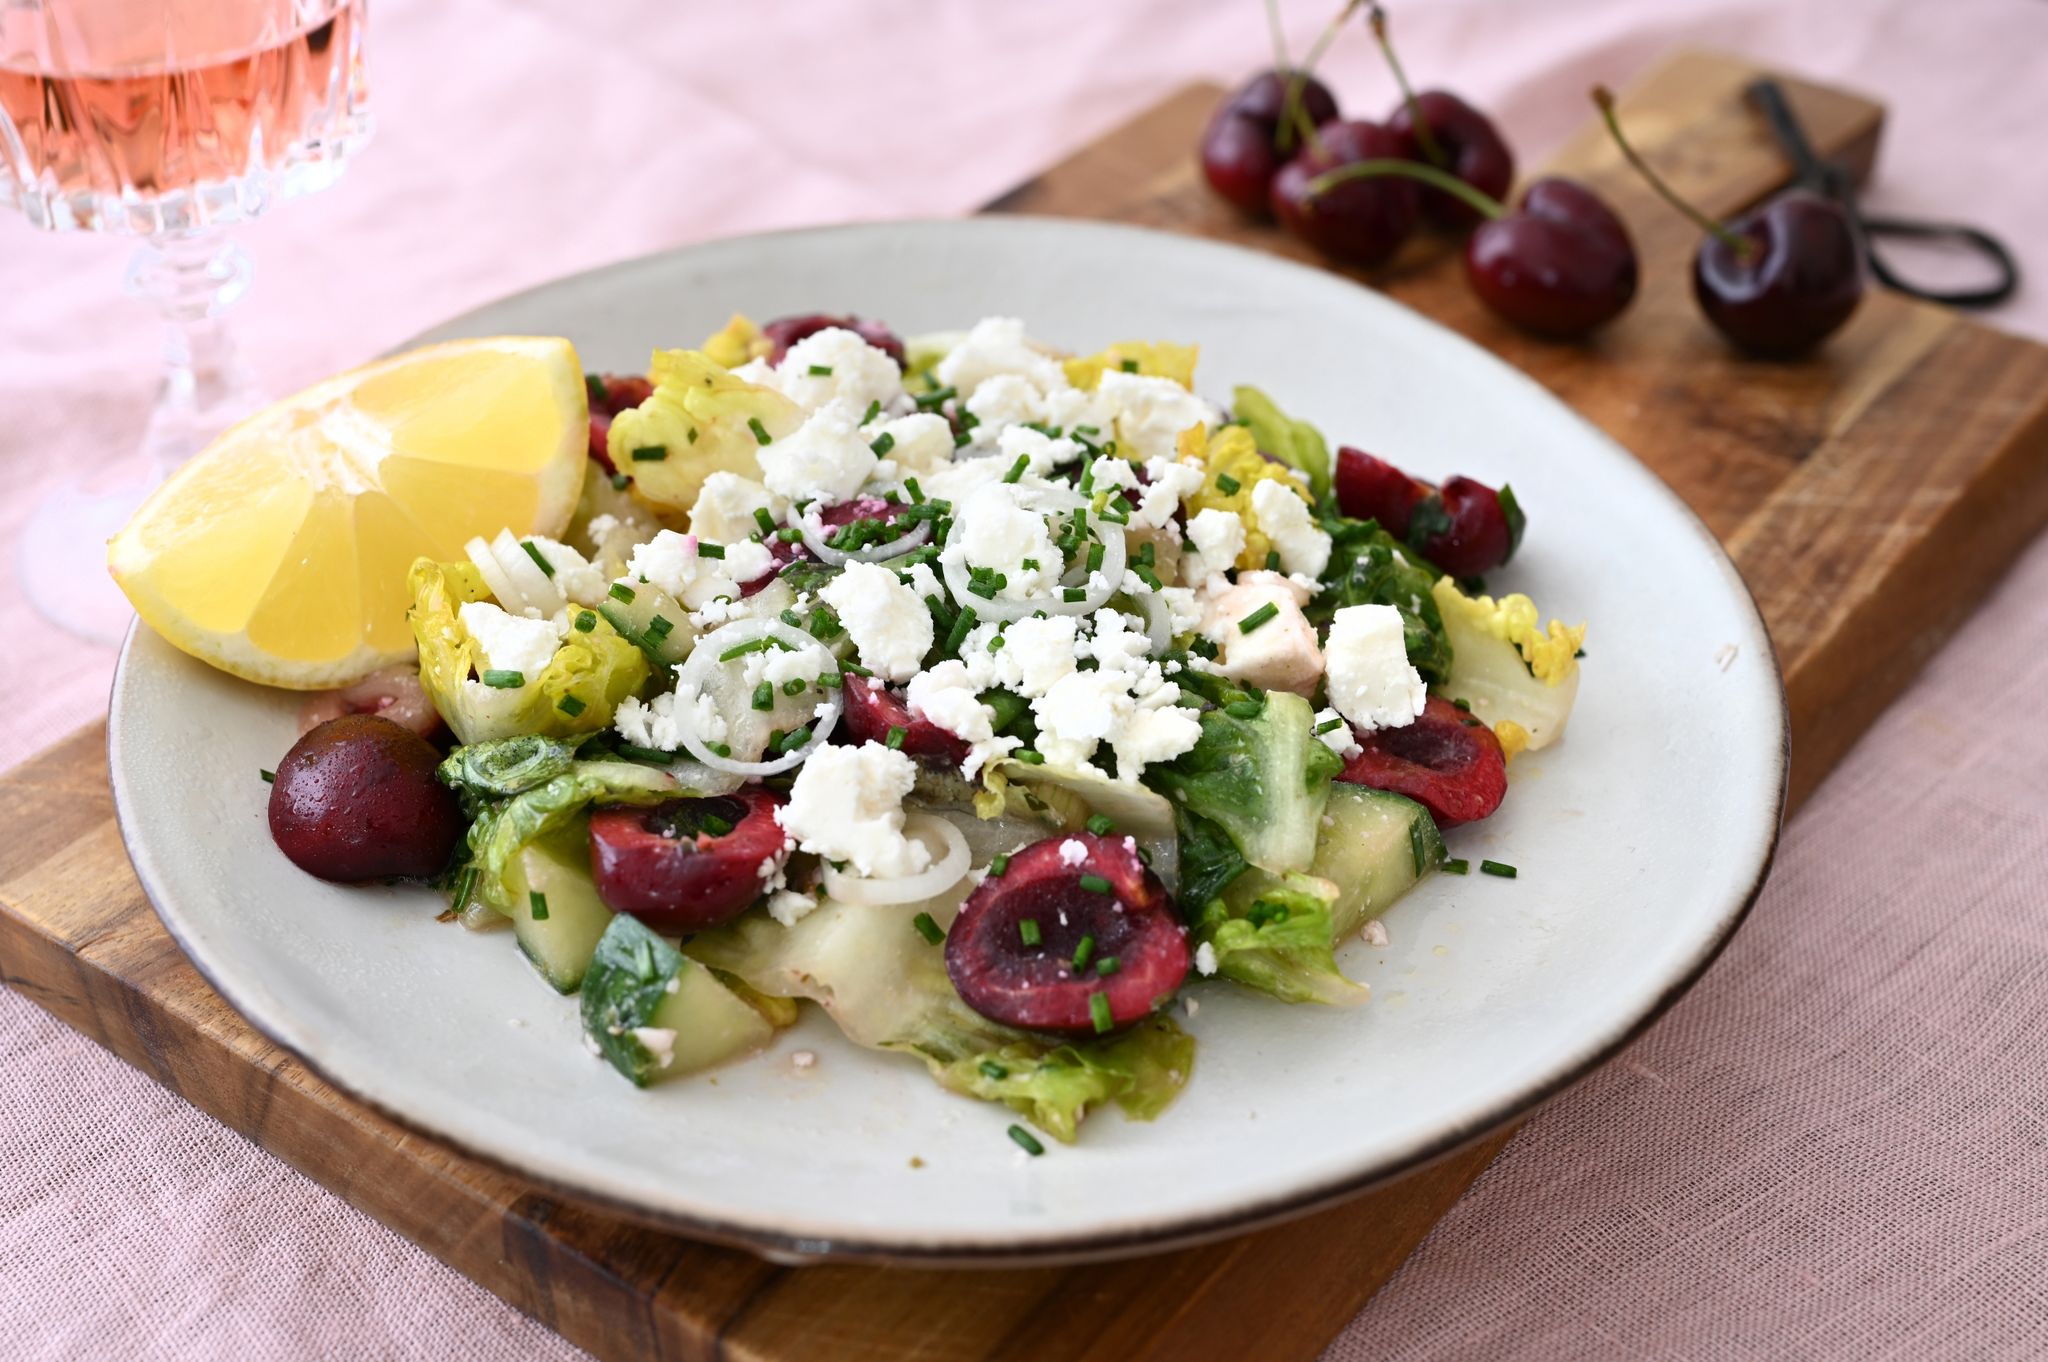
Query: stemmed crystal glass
x=169 y=121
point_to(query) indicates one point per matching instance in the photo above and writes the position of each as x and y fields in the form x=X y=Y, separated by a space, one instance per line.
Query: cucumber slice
x=561 y=943
x=1374 y=847
x=635 y=620
x=655 y=1014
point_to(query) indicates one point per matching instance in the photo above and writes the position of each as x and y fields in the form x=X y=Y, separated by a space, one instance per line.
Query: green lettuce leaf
x=503 y=767
x=886 y=988
x=1296 y=443
x=1263 y=780
x=694 y=424
x=1209 y=860
x=590 y=673
x=1368 y=566
x=1275 y=933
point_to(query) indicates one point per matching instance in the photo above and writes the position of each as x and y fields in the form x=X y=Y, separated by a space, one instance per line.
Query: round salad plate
x=1641 y=838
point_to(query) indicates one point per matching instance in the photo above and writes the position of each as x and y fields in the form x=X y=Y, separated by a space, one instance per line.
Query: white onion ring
x=704 y=656
x=478 y=551
x=813 y=532
x=1003 y=608
x=539 y=589
x=928 y=883
x=1158 y=621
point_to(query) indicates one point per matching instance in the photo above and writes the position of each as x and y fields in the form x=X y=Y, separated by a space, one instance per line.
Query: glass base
x=62 y=560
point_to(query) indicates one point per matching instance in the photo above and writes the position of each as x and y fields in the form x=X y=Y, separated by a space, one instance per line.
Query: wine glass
x=170 y=121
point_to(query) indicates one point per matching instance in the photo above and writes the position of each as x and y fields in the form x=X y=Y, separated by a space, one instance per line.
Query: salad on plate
x=989 y=698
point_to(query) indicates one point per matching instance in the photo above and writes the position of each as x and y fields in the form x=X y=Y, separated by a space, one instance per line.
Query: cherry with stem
x=1776 y=281
x=1254 y=131
x=1439 y=129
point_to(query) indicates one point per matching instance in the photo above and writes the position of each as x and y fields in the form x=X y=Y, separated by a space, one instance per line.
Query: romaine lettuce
x=1296 y=443
x=1262 y=779
x=699 y=419
x=1368 y=566
x=1274 y=933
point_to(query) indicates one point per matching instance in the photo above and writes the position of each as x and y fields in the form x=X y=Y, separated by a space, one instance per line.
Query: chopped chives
x=619 y=481
x=937 y=397
x=995 y=645
x=990 y=1069
x=585 y=621
x=714 y=825
x=958 y=633
x=764 y=520
x=500 y=679
x=705 y=550
x=634 y=752
x=1027 y=931
x=1098 y=1012
x=821 y=371
x=1500 y=868
x=874 y=410
x=1129 y=366
x=658 y=628
x=1084 y=952
x=1456 y=867
x=722 y=749
x=1095 y=557
x=1094 y=884
x=537 y=905
x=1108 y=965
x=621 y=592
x=789 y=535
x=894 y=738
x=831 y=680
x=650 y=454
x=1465 y=705
x=540 y=561
x=1265 y=614
x=916 y=492
x=1272 y=560
x=593 y=387
x=1017 y=469
x=740 y=650
x=1028 y=756
x=1328 y=726
x=1101 y=825
x=1144 y=573
x=793 y=686
x=791 y=741
x=1073 y=593
x=1227 y=484
x=269 y=777
x=792 y=619
x=1243 y=709
x=570 y=705
x=764 y=695
x=1026 y=1141
x=883 y=443
x=761 y=435
x=928 y=928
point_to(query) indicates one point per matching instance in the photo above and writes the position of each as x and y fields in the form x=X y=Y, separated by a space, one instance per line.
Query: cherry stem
x=1278 y=33
x=1295 y=114
x=1603 y=99
x=1480 y=201
x=1423 y=133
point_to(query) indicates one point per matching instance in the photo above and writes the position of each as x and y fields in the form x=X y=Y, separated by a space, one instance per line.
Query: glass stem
x=192 y=278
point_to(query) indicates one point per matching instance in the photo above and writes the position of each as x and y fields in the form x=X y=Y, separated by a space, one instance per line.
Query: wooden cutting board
x=1870 y=496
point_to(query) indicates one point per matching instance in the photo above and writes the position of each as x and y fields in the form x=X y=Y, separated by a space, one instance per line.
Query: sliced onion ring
x=1005 y=608
x=704 y=656
x=478 y=551
x=944 y=872
x=1158 y=621
x=813 y=532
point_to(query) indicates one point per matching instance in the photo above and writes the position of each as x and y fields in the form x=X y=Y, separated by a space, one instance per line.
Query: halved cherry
x=1013 y=951
x=784 y=332
x=1447 y=761
x=873 y=710
x=1370 y=488
x=1466 y=528
x=690 y=863
x=611 y=394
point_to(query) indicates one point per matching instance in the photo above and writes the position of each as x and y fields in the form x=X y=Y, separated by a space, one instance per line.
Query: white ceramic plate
x=1641 y=839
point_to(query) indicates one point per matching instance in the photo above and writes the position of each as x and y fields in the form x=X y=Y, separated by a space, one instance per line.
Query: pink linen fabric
x=1834 y=1148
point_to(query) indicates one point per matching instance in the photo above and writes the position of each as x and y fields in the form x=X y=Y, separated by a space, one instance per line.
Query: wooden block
x=1870 y=496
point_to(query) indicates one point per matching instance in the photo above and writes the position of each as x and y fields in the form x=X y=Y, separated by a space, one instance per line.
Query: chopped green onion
x=790 y=742
x=570 y=705
x=722 y=749
x=1456 y=867
x=883 y=443
x=1027 y=931
x=928 y=928
x=790 y=535
x=1265 y=614
x=714 y=825
x=1101 y=825
x=1243 y=709
x=585 y=621
x=937 y=397
x=1272 y=560
x=1028 y=756
x=1094 y=884
x=1129 y=366
x=874 y=410
x=658 y=628
x=540 y=561
x=1227 y=484
x=1017 y=469
x=916 y=492
x=793 y=686
x=634 y=752
x=998 y=864
x=958 y=633
x=1085 y=951
x=537 y=905
x=1108 y=965
x=764 y=520
x=1095 y=557
x=740 y=650
x=594 y=387
x=621 y=592
x=1465 y=705
x=761 y=435
x=1098 y=1012
x=705 y=550
x=619 y=481
x=1073 y=593
x=1026 y=1141
x=650 y=454
x=269 y=777
x=990 y=1069
x=894 y=738
x=1500 y=868
x=499 y=679
x=1328 y=726
x=821 y=371
x=764 y=695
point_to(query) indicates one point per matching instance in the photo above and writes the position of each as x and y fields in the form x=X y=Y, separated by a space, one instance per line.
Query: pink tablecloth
x=1834 y=1148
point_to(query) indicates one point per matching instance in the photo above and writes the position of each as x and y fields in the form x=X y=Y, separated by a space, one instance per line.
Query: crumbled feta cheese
x=1339 y=739
x=1205 y=959
x=1170 y=482
x=600 y=528
x=1073 y=852
x=826 y=458
x=803 y=1059
x=1219 y=537
x=1285 y=518
x=920 y=443
x=887 y=620
x=573 y=574
x=788 y=907
x=858 y=374
x=660 y=722
x=671 y=561
x=1077 y=712
x=1187 y=610
x=1376 y=933
x=998 y=345
x=658 y=1041
x=1280 y=654
x=1036 y=652
x=1042 y=453
x=725 y=506
x=947 y=695
x=1152 y=412
x=847 y=805
x=507 y=642
x=1003 y=401
x=1370 y=680
x=991 y=530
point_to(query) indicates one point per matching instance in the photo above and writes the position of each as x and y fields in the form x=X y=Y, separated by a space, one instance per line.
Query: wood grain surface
x=1869 y=495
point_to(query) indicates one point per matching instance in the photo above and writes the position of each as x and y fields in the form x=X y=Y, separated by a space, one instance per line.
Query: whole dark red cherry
x=1359 y=221
x=1447 y=761
x=1025 y=975
x=1791 y=286
x=1370 y=488
x=356 y=799
x=1560 y=264
x=871 y=711
x=1467 y=528
x=784 y=332
x=1245 y=143
x=688 y=864
x=1471 y=147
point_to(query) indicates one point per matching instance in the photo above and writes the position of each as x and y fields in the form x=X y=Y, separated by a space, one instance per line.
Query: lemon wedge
x=280 y=552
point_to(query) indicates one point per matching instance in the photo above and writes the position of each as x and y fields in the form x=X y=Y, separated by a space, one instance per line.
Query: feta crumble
x=887 y=620
x=1370 y=680
x=1205 y=960
x=847 y=806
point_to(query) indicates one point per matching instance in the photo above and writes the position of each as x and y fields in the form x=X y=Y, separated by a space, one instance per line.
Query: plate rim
x=1010 y=1249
